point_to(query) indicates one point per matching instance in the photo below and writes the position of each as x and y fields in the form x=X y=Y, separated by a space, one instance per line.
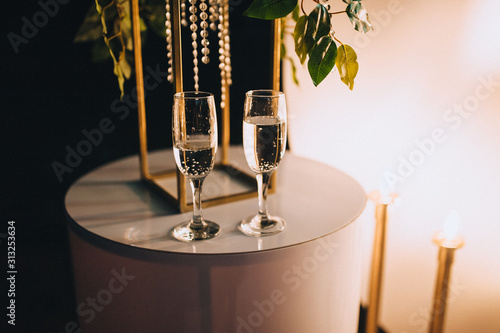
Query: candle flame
x=385 y=188
x=451 y=226
x=385 y=194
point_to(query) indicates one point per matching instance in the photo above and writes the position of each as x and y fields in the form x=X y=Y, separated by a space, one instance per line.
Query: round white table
x=131 y=275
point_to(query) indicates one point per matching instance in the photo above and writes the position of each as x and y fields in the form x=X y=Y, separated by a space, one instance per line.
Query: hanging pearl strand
x=193 y=18
x=222 y=55
x=168 y=32
x=184 y=22
x=219 y=20
x=224 y=50
x=204 y=33
x=214 y=14
x=227 y=50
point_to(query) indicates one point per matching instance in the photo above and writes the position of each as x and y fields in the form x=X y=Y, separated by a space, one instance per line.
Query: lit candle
x=448 y=241
x=382 y=199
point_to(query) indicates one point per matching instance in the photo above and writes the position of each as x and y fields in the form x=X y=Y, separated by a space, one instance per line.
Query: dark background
x=51 y=92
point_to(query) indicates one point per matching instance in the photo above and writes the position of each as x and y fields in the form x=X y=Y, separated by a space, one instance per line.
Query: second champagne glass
x=194 y=135
x=264 y=142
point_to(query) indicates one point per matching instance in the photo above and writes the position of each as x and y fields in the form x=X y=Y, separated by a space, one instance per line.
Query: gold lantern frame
x=179 y=197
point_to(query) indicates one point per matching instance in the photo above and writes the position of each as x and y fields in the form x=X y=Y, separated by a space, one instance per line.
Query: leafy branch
x=314 y=37
x=113 y=18
x=109 y=27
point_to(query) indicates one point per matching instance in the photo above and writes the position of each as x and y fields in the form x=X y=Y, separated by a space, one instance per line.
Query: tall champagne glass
x=264 y=142
x=194 y=134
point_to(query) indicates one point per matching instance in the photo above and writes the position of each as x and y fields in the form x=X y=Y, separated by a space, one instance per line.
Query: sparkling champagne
x=264 y=142
x=195 y=159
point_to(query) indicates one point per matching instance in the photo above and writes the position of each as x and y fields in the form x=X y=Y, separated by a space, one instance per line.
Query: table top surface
x=314 y=199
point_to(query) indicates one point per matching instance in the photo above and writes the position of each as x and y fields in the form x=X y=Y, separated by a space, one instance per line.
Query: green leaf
x=100 y=4
x=270 y=9
x=296 y=13
x=299 y=36
x=99 y=51
x=309 y=29
x=358 y=16
x=322 y=59
x=114 y=19
x=347 y=65
x=319 y=23
x=122 y=71
x=91 y=28
x=155 y=15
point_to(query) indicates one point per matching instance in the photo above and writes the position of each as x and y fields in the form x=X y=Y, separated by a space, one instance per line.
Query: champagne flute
x=194 y=136
x=264 y=142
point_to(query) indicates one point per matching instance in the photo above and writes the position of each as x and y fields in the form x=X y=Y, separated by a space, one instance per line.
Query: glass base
x=184 y=233
x=253 y=226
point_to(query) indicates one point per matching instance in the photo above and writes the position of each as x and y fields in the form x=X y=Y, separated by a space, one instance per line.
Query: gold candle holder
x=447 y=246
x=382 y=202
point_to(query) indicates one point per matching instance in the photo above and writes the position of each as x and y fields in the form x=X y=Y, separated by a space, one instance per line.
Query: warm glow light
x=449 y=237
x=385 y=193
x=362 y=131
x=384 y=187
x=451 y=226
x=480 y=35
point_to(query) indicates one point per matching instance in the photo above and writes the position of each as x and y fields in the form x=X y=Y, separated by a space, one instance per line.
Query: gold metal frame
x=179 y=198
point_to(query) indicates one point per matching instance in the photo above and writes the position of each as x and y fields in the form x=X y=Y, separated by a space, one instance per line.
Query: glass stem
x=262 y=187
x=197 y=221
